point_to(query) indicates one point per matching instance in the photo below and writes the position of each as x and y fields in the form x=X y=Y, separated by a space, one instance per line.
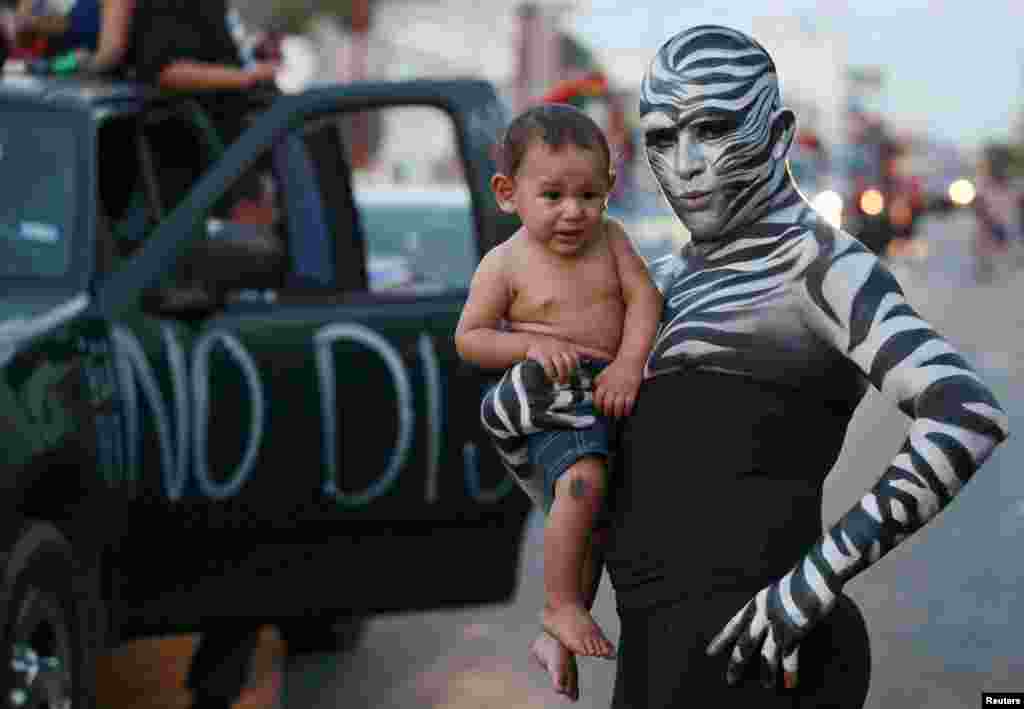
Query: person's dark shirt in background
x=166 y=31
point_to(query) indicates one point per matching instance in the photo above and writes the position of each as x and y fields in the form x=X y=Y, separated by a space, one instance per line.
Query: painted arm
x=855 y=304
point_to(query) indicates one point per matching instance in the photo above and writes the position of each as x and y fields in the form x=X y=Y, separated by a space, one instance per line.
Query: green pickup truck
x=229 y=391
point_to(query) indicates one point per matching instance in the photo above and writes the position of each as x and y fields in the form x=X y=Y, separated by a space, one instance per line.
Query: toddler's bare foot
x=576 y=629
x=559 y=663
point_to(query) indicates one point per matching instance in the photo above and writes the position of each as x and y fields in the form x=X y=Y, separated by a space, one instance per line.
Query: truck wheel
x=51 y=634
x=304 y=637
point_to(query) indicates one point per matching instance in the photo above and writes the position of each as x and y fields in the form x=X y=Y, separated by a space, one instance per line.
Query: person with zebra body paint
x=568 y=308
x=776 y=323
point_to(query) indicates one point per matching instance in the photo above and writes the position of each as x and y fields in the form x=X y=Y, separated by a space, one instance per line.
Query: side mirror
x=233 y=257
x=237 y=256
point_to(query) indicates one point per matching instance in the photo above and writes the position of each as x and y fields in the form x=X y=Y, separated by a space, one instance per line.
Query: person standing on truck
x=181 y=46
x=566 y=299
x=191 y=47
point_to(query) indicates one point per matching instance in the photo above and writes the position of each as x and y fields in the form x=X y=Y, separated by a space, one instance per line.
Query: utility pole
x=538 y=51
x=358 y=58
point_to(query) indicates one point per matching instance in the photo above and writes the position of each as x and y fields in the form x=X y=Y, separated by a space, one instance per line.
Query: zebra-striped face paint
x=716 y=134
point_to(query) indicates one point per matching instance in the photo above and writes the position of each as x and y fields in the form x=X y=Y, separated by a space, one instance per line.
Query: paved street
x=944 y=610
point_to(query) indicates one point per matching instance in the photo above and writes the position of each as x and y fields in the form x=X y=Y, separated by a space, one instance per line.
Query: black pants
x=662 y=663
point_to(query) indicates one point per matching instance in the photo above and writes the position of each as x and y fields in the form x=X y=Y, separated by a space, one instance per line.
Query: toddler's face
x=560 y=195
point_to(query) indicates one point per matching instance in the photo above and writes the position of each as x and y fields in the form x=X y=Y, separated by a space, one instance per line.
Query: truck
x=229 y=395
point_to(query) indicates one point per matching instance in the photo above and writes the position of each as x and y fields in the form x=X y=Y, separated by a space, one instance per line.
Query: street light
x=962 y=192
x=872 y=202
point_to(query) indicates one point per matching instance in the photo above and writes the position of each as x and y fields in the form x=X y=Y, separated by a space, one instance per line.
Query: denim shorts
x=554 y=451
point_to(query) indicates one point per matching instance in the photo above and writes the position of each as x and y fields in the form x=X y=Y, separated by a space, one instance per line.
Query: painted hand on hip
x=770 y=627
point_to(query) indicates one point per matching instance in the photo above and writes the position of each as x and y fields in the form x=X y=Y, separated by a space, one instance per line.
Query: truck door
x=326 y=398
x=364 y=399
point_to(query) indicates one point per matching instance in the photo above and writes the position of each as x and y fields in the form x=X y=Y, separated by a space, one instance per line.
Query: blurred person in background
x=999 y=212
x=201 y=49
x=776 y=322
x=184 y=46
x=46 y=28
x=180 y=46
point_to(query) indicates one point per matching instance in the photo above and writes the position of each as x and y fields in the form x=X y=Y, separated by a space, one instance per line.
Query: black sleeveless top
x=743 y=414
x=718 y=485
x=166 y=31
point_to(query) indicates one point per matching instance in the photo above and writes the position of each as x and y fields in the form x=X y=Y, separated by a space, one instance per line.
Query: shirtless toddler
x=568 y=292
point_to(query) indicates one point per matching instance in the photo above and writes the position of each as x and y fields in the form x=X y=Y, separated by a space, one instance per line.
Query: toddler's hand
x=615 y=388
x=559 y=359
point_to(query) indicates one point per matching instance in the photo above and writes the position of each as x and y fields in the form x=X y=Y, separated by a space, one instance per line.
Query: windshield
x=37 y=200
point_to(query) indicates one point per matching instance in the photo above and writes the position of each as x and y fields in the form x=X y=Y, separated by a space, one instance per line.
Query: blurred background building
x=811 y=63
x=878 y=175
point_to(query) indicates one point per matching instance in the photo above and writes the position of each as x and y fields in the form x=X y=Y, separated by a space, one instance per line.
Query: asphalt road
x=943 y=610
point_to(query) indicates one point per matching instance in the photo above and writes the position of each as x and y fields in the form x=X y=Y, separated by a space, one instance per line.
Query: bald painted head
x=715 y=129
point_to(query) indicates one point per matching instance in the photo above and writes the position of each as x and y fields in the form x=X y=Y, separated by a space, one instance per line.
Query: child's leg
x=579 y=493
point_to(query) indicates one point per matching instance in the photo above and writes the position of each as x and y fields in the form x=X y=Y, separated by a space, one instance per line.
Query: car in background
x=940 y=170
x=865 y=190
x=888 y=184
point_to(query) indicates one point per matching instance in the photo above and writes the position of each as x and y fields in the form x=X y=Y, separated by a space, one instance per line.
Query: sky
x=953 y=68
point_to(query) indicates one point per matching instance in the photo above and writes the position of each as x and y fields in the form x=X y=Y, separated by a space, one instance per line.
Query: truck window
x=413 y=202
x=344 y=204
x=123 y=214
x=243 y=242
x=177 y=145
x=38 y=171
x=242 y=246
